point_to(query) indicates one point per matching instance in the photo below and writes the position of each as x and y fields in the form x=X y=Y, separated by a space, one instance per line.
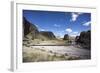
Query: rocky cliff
x=48 y=34
x=84 y=39
x=66 y=37
x=30 y=31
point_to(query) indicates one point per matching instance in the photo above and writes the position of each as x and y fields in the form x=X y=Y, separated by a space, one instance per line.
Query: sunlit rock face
x=48 y=34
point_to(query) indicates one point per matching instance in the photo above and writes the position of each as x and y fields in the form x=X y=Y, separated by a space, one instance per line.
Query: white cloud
x=74 y=34
x=87 y=23
x=59 y=34
x=42 y=29
x=56 y=25
x=75 y=16
x=69 y=30
x=36 y=25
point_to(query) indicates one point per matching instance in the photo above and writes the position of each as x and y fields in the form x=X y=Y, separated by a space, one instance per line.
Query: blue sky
x=59 y=23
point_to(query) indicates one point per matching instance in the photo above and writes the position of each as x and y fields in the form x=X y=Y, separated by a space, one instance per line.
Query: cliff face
x=48 y=34
x=30 y=31
x=84 y=39
x=66 y=37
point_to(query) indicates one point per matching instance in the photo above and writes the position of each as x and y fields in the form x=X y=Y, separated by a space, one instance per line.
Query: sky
x=60 y=23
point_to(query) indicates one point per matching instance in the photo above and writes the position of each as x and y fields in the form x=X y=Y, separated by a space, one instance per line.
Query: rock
x=29 y=29
x=84 y=39
x=66 y=37
x=66 y=54
x=48 y=34
x=76 y=39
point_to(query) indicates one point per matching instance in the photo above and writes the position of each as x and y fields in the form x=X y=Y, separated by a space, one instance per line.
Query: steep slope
x=29 y=30
x=66 y=37
x=84 y=39
x=48 y=34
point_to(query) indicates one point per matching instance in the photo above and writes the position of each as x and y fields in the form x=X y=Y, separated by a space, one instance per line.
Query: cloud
x=87 y=23
x=42 y=29
x=56 y=25
x=36 y=25
x=60 y=33
x=74 y=34
x=75 y=16
x=69 y=30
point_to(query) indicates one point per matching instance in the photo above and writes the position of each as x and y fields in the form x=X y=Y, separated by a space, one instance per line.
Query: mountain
x=66 y=37
x=84 y=39
x=48 y=34
x=30 y=31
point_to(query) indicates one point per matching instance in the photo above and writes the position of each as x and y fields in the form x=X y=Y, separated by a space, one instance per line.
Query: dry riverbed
x=53 y=53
